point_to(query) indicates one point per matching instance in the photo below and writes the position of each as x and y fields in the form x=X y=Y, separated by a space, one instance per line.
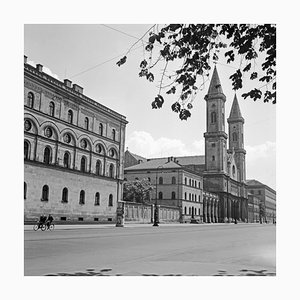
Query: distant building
x=253 y=209
x=73 y=151
x=267 y=197
x=132 y=159
x=175 y=184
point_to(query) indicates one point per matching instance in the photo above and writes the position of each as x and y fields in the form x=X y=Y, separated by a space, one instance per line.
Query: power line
x=102 y=63
x=120 y=31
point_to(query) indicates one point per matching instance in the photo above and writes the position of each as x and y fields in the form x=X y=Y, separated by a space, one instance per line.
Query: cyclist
x=49 y=221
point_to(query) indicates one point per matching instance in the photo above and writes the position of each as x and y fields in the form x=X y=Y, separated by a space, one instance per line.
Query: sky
x=87 y=55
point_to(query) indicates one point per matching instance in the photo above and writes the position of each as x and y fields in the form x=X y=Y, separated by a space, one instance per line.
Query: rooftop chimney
x=77 y=88
x=39 y=67
x=68 y=83
x=25 y=59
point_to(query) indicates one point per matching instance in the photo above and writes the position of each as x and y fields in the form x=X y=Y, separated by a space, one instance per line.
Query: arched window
x=199 y=211
x=101 y=129
x=67 y=160
x=190 y=197
x=110 y=200
x=82 y=197
x=45 y=193
x=51 y=108
x=185 y=210
x=160 y=195
x=185 y=181
x=190 y=181
x=47 y=155
x=173 y=195
x=30 y=99
x=83 y=164
x=213 y=158
x=98 y=167
x=173 y=180
x=233 y=170
x=70 y=116
x=160 y=180
x=199 y=198
x=189 y=210
x=234 y=137
x=185 y=196
x=86 y=123
x=213 y=117
x=199 y=185
x=25 y=190
x=98 y=148
x=64 y=198
x=111 y=171
x=97 y=198
x=114 y=134
x=26 y=150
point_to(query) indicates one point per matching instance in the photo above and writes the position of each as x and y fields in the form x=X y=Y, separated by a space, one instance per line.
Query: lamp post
x=155 y=223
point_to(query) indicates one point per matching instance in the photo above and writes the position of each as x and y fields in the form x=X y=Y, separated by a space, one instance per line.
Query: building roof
x=253 y=182
x=215 y=84
x=154 y=163
x=137 y=157
x=235 y=112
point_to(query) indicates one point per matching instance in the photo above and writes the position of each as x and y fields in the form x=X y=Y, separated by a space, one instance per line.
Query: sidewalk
x=131 y=225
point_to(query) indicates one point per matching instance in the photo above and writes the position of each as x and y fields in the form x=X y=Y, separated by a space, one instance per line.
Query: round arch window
x=98 y=148
x=27 y=125
x=83 y=144
x=112 y=153
x=67 y=138
x=48 y=132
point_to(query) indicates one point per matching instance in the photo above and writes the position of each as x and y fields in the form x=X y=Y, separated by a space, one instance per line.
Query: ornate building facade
x=225 y=169
x=73 y=151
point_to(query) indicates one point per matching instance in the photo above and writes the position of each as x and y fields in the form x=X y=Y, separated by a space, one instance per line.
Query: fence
x=143 y=213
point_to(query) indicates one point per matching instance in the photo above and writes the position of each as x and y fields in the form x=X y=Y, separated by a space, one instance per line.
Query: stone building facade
x=253 y=209
x=225 y=171
x=175 y=185
x=267 y=198
x=73 y=151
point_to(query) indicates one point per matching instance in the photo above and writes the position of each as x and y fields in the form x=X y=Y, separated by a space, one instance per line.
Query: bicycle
x=38 y=226
x=50 y=227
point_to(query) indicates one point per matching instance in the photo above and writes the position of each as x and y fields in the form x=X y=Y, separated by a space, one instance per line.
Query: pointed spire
x=235 y=113
x=215 y=84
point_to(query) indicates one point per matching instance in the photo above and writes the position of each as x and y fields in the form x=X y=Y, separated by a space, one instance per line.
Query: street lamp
x=156 y=221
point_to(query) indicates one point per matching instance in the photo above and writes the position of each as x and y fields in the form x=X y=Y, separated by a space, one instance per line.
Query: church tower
x=215 y=136
x=236 y=138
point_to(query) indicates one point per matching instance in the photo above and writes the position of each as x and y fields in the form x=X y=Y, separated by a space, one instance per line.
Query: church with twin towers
x=225 y=167
x=211 y=187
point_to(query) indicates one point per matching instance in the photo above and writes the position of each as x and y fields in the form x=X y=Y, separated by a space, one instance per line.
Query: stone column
x=212 y=215
x=217 y=211
x=208 y=211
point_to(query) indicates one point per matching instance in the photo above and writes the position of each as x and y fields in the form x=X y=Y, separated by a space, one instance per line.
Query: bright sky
x=87 y=55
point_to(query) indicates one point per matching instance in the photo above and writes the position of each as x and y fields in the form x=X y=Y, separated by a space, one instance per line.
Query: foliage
x=196 y=47
x=137 y=190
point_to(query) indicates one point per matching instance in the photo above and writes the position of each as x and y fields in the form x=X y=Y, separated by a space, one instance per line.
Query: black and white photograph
x=155 y=165
x=132 y=161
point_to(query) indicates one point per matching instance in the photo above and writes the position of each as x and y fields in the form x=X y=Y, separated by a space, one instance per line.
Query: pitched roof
x=138 y=157
x=215 y=84
x=154 y=163
x=253 y=182
x=235 y=112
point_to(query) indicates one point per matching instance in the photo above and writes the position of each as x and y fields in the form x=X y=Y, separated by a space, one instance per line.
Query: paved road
x=211 y=249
